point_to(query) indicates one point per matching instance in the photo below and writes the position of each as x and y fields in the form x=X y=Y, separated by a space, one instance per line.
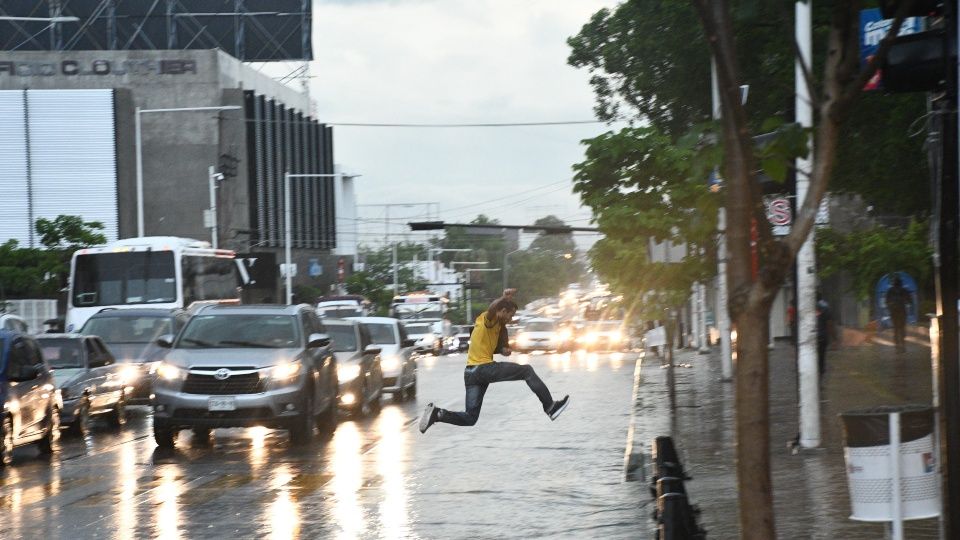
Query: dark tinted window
x=126 y=329
x=381 y=333
x=209 y=278
x=106 y=279
x=241 y=331
x=20 y=358
x=62 y=353
x=344 y=337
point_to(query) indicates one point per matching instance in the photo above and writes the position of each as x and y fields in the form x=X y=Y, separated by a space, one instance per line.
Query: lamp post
x=506 y=268
x=139 y=145
x=469 y=305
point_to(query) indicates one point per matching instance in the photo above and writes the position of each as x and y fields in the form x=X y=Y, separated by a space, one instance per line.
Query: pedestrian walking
x=824 y=332
x=487 y=338
x=897 y=299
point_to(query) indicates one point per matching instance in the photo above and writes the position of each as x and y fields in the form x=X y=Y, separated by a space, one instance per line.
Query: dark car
x=90 y=381
x=31 y=407
x=252 y=365
x=131 y=335
x=358 y=366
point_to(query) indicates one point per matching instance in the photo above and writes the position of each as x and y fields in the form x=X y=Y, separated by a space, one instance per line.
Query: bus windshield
x=111 y=279
x=417 y=311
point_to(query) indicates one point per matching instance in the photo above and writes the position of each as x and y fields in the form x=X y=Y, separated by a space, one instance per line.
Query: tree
x=70 y=233
x=377 y=276
x=547 y=266
x=642 y=56
x=488 y=248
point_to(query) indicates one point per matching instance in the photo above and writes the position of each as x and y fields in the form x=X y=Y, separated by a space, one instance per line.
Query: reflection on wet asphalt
x=515 y=474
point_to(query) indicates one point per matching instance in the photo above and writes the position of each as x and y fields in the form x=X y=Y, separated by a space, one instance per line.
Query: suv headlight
x=348 y=372
x=285 y=371
x=390 y=363
x=170 y=372
x=523 y=339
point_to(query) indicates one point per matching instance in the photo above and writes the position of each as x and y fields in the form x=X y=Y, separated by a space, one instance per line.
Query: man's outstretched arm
x=496 y=305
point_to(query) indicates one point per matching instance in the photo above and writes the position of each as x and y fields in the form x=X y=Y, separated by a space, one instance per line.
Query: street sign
x=292 y=270
x=314 y=269
x=780 y=215
x=873 y=28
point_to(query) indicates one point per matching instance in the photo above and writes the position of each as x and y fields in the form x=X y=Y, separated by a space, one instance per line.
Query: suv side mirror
x=408 y=343
x=372 y=349
x=318 y=340
x=165 y=341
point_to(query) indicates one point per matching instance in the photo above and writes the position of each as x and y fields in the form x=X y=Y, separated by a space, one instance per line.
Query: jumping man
x=481 y=370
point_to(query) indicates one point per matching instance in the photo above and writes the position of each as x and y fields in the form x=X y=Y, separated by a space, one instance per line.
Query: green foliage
x=868 y=255
x=70 y=233
x=375 y=280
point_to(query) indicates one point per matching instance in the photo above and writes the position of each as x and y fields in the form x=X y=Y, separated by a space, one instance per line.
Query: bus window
x=109 y=279
x=209 y=278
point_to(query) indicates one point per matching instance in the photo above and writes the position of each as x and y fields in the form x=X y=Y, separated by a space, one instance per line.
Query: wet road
x=515 y=474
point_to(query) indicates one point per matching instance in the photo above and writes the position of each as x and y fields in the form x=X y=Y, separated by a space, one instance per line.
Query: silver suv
x=234 y=366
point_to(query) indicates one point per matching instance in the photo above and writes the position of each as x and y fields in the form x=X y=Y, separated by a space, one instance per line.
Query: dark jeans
x=477 y=378
x=899 y=330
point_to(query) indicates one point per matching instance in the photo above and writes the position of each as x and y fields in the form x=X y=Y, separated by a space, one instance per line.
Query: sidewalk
x=810 y=488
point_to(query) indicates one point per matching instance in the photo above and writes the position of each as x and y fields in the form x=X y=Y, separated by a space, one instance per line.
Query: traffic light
x=918 y=62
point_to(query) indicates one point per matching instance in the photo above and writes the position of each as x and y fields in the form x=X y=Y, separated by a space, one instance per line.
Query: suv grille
x=248 y=383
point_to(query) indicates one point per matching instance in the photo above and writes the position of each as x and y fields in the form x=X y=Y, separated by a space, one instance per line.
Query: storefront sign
x=97 y=68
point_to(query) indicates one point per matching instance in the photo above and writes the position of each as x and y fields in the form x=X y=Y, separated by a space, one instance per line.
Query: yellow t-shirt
x=483 y=341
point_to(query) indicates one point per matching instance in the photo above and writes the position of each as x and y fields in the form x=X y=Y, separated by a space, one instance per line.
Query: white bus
x=422 y=306
x=153 y=272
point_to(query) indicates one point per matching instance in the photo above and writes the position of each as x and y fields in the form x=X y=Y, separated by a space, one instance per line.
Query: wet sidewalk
x=810 y=488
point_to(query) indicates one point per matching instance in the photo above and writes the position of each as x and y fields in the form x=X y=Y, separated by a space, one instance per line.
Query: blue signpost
x=873 y=28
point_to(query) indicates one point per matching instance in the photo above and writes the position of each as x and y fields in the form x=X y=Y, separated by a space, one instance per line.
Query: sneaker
x=558 y=407
x=428 y=417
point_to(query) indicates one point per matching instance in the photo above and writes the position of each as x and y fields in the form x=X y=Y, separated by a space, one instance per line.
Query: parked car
x=14 y=323
x=131 y=335
x=460 y=340
x=31 y=406
x=397 y=361
x=538 y=335
x=425 y=337
x=358 y=366
x=253 y=365
x=88 y=377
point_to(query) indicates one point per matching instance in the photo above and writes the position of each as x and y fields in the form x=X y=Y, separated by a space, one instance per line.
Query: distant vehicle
x=420 y=306
x=397 y=360
x=425 y=336
x=153 y=272
x=89 y=379
x=343 y=306
x=604 y=336
x=13 y=323
x=30 y=404
x=460 y=340
x=538 y=335
x=358 y=366
x=258 y=365
x=131 y=336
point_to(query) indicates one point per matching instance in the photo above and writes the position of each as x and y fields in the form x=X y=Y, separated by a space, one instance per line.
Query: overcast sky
x=455 y=61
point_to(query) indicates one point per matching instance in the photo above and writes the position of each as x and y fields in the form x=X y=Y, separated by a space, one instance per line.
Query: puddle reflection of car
x=88 y=377
x=131 y=335
x=30 y=403
x=358 y=366
x=538 y=335
x=238 y=366
x=424 y=337
x=397 y=361
x=603 y=336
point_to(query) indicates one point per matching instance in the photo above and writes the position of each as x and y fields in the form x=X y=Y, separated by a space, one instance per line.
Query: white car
x=397 y=360
x=538 y=335
x=9 y=321
x=425 y=336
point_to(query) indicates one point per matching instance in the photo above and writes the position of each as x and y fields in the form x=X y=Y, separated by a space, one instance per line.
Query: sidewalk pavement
x=810 y=489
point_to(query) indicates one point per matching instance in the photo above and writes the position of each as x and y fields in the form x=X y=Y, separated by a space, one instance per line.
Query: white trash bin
x=871 y=469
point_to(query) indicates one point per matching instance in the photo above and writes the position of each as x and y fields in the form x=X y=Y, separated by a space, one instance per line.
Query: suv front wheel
x=165 y=436
x=48 y=443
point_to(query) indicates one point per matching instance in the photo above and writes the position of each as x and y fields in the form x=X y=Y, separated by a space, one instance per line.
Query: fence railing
x=676 y=517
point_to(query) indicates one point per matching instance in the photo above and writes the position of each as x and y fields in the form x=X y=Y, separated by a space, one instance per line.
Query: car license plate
x=222 y=404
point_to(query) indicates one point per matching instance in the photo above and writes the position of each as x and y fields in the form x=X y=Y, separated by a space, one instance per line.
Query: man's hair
x=504 y=303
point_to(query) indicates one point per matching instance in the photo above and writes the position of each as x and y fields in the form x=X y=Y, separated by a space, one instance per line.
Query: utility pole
x=806 y=258
x=722 y=313
x=396 y=272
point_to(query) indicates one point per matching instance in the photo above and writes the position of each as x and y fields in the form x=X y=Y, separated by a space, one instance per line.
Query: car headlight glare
x=169 y=372
x=429 y=339
x=565 y=334
x=348 y=372
x=390 y=363
x=523 y=339
x=590 y=337
x=285 y=370
x=616 y=336
x=129 y=373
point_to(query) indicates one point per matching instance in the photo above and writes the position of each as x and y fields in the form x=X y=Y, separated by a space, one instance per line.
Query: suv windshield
x=417 y=329
x=125 y=329
x=540 y=326
x=382 y=333
x=62 y=353
x=344 y=337
x=240 y=331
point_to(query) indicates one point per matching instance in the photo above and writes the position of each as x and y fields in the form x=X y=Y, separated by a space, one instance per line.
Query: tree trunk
x=753 y=425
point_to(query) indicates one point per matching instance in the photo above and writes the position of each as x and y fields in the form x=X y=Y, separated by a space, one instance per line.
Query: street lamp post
x=469 y=296
x=139 y=145
x=506 y=268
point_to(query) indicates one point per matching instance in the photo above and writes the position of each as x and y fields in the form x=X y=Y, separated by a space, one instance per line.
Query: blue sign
x=314 y=269
x=873 y=28
x=880 y=293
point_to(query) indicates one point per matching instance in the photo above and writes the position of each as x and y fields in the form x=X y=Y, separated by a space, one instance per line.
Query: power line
x=466 y=125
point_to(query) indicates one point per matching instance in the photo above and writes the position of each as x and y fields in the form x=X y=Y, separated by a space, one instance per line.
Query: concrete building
x=68 y=146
